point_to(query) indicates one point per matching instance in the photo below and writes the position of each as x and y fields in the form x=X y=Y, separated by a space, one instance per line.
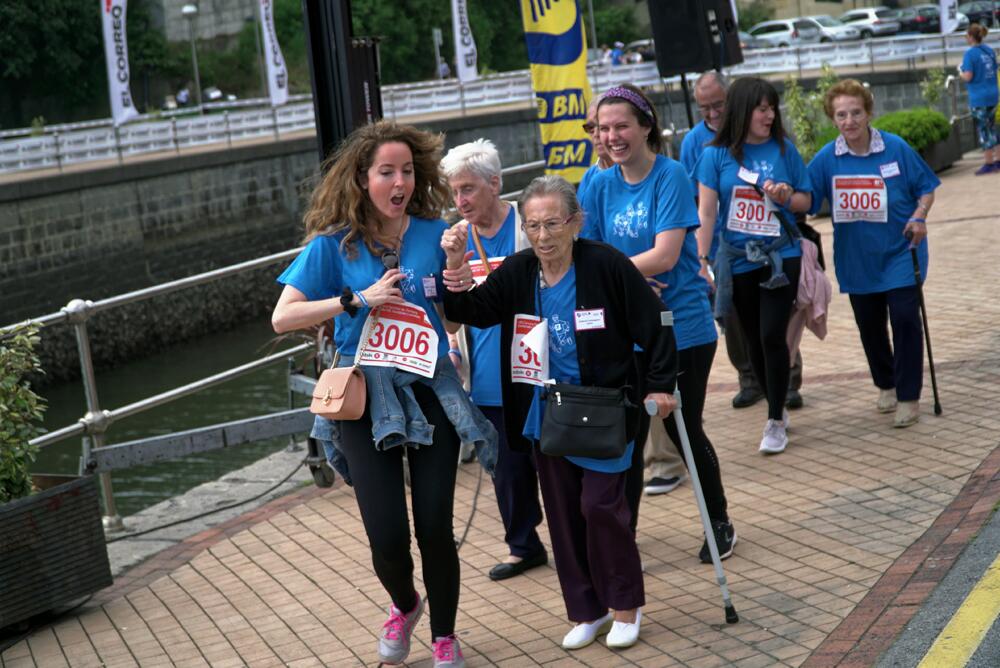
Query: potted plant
x=52 y=549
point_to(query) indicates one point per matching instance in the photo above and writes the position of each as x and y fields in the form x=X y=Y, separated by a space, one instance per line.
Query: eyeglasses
x=551 y=226
x=717 y=107
x=589 y=128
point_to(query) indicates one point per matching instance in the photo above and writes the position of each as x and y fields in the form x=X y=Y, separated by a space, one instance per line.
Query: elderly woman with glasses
x=587 y=307
x=370 y=263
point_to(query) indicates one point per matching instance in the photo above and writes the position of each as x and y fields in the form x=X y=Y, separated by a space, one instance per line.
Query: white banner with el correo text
x=116 y=59
x=277 y=73
x=949 y=16
x=466 y=57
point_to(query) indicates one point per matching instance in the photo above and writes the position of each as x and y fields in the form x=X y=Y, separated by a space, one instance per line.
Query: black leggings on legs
x=764 y=315
x=379 y=488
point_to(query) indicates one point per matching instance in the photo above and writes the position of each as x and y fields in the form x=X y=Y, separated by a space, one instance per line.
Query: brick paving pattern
x=840 y=537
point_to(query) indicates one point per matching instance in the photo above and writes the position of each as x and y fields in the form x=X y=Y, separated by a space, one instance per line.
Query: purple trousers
x=596 y=556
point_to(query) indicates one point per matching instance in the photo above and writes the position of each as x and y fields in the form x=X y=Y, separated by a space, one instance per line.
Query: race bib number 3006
x=860 y=198
x=401 y=337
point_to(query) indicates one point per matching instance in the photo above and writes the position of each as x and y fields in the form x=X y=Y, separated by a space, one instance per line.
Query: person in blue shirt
x=603 y=161
x=382 y=196
x=752 y=178
x=710 y=96
x=880 y=192
x=474 y=176
x=979 y=71
x=644 y=207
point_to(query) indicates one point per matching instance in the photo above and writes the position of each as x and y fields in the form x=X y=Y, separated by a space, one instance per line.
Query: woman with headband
x=643 y=206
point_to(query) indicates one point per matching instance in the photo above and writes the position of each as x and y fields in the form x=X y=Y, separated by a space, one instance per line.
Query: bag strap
x=479 y=248
x=362 y=341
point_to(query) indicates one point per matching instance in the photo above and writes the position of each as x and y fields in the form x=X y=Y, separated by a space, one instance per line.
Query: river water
x=263 y=391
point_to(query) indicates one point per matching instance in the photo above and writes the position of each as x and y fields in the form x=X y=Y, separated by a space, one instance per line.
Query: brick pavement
x=840 y=537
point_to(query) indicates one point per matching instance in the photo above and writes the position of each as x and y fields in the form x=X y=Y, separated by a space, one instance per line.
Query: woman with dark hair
x=979 y=72
x=643 y=206
x=373 y=233
x=751 y=180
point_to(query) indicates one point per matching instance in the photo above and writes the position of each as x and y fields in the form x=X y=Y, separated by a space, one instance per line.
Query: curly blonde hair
x=339 y=202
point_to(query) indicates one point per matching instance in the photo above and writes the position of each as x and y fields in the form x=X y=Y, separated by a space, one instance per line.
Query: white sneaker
x=886 y=401
x=582 y=635
x=786 y=418
x=775 y=439
x=623 y=634
x=907 y=413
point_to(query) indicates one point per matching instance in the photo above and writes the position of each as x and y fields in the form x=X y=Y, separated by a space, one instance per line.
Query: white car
x=787 y=32
x=872 y=21
x=832 y=30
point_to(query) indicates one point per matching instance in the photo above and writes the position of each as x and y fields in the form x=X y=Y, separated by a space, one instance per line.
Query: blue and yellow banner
x=557 y=50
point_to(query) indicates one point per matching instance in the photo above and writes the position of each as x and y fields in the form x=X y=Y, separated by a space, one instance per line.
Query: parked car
x=748 y=41
x=926 y=19
x=981 y=12
x=832 y=30
x=786 y=32
x=872 y=21
x=644 y=47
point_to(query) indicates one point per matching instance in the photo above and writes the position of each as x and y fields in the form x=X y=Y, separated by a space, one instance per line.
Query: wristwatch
x=346 y=300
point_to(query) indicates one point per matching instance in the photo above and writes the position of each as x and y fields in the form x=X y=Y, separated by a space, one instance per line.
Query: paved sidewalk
x=841 y=538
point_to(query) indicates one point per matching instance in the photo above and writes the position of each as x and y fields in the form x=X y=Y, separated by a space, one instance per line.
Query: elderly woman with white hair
x=493 y=230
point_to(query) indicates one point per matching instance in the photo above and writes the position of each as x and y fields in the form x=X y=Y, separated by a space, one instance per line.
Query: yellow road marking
x=962 y=636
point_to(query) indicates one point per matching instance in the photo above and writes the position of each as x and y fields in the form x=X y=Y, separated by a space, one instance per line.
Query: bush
x=918 y=127
x=20 y=412
x=805 y=112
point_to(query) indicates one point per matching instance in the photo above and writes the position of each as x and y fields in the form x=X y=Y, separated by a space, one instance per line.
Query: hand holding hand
x=385 y=290
x=460 y=279
x=665 y=403
x=454 y=242
x=781 y=193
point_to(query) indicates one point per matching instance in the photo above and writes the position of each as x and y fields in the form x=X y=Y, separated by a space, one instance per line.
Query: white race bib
x=750 y=213
x=860 y=198
x=401 y=337
x=529 y=360
x=479 y=269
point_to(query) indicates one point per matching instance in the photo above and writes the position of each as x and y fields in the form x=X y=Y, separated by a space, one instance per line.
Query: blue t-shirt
x=868 y=256
x=558 y=305
x=585 y=181
x=322 y=270
x=486 y=342
x=692 y=147
x=982 y=62
x=629 y=216
x=718 y=170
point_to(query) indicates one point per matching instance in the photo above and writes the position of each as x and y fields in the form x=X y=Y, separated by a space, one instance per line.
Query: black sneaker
x=747 y=397
x=657 y=485
x=793 y=400
x=725 y=540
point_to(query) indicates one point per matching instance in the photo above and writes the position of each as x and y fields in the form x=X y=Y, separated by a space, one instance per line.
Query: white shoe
x=582 y=635
x=907 y=413
x=786 y=418
x=775 y=439
x=623 y=634
x=886 y=401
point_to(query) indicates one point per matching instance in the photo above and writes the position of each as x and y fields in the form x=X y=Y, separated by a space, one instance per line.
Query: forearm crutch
x=667 y=320
x=919 y=279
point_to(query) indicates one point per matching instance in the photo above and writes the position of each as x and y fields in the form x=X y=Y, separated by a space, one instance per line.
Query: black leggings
x=380 y=491
x=693 y=367
x=764 y=315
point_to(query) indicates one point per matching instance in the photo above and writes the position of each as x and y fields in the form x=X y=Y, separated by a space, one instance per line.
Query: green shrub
x=20 y=412
x=805 y=112
x=918 y=127
x=932 y=86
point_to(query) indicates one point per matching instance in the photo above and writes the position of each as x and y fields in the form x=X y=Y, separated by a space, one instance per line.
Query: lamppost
x=190 y=12
x=255 y=21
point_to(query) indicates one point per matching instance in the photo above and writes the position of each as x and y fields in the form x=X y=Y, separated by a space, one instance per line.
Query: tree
x=753 y=13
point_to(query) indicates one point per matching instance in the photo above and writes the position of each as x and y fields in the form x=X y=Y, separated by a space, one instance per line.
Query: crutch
x=923 y=315
x=667 y=320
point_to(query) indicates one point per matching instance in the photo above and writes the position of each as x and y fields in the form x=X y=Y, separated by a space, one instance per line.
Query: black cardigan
x=605 y=278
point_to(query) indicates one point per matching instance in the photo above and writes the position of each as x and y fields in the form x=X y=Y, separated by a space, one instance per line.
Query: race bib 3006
x=401 y=336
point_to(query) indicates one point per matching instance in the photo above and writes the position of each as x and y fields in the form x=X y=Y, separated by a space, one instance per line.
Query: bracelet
x=455 y=351
x=361 y=298
x=704 y=258
x=917 y=220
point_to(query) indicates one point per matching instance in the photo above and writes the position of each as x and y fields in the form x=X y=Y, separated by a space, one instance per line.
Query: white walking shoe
x=624 y=634
x=775 y=439
x=886 y=401
x=907 y=413
x=583 y=634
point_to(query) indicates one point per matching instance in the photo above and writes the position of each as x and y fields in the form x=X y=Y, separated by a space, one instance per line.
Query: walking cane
x=923 y=315
x=667 y=320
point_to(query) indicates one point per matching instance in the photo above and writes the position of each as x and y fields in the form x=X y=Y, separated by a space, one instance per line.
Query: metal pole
x=274 y=115
x=593 y=25
x=78 y=311
x=173 y=134
x=118 y=145
x=258 y=26
x=229 y=135
x=194 y=66
x=55 y=137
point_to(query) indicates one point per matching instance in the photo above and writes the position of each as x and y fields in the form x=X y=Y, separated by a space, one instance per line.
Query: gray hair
x=480 y=157
x=550 y=184
x=708 y=77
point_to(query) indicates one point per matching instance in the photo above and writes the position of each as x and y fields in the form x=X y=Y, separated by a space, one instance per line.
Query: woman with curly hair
x=372 y=249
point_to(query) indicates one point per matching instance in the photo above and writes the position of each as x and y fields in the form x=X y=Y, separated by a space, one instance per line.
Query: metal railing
x=93 y=426
x=74 y=143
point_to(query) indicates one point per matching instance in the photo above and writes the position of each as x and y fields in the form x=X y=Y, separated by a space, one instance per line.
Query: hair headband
x=630 y=96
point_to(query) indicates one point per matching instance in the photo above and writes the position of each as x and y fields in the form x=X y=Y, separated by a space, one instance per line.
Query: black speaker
x=694 y=35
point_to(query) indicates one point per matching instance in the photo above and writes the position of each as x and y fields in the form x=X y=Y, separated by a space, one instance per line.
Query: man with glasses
x=710 y=96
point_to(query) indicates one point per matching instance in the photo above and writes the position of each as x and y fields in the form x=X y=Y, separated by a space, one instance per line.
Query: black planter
x=52 y=550
x=943 y=154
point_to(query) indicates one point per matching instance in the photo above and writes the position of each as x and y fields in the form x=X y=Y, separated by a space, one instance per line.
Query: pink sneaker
x=394 y=643
x=447 y=653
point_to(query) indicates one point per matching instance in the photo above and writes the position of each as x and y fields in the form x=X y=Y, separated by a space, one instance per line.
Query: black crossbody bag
x=583 y=421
